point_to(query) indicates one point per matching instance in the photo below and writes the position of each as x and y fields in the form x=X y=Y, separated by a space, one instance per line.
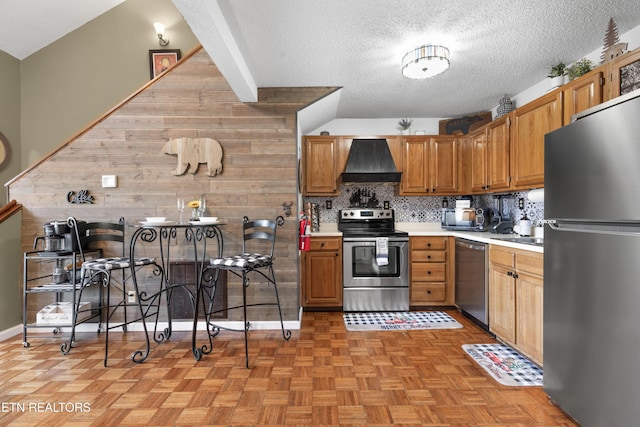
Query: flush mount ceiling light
x=425 y=61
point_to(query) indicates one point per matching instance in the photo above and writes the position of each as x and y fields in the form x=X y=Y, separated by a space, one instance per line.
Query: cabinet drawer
x=533 y=263
x=430 y=242
x=427 y=292
x=428 y=256
x=325 y=244
x=428 y=272
x=498 y=255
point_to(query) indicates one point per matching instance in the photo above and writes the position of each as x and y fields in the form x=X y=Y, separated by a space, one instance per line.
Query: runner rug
x=399 y=321
x=505 y=365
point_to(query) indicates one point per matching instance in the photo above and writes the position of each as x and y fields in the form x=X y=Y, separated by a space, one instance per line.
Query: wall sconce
x=160 y=32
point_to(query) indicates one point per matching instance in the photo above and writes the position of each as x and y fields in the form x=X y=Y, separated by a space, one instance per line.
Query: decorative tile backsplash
x=420 y=208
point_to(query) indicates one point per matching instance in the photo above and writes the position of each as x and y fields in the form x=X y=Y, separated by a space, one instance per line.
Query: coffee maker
x=58 y=237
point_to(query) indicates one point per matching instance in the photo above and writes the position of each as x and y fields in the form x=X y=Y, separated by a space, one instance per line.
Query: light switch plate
x=109 y=181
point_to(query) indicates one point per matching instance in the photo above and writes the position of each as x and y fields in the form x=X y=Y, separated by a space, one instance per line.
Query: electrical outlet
x=328 y=205
x=131 y=296
x=521 y=203
x=385 y=204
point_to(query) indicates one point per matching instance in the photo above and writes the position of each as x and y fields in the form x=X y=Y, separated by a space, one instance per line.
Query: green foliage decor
x=558 y=70
x=580 y=68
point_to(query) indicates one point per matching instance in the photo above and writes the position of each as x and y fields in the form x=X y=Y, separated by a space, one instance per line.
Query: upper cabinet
x=498 y=148
x=429 y=165
x=582 y=94
x=530 y=124
x=320 y=165
x=490 y=166
x=624 y=75
x=478 y=178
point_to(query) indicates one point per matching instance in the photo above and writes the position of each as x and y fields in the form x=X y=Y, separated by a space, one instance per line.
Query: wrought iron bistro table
x=200 y=236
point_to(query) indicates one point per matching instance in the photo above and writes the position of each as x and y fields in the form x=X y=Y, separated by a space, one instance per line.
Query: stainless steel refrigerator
x=592 y=265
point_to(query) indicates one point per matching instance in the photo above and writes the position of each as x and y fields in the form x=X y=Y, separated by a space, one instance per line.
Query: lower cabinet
x=322 y=273
x=430 y=272
x=516 y=299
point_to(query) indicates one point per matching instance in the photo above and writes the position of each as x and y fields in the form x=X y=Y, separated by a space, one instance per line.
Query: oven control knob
x=351 y=213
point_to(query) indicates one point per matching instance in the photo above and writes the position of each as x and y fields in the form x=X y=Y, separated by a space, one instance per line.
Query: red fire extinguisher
x=305 y=232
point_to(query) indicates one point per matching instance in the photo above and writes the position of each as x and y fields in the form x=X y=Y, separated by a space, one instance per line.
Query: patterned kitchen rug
x=399 y=321
x=505 y=364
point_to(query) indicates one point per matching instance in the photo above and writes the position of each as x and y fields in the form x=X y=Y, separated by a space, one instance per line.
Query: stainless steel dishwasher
x=472 y=280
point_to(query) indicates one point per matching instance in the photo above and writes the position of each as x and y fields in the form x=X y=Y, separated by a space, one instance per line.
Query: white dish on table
x=156 y=219
x=209 y=218
x=206 y=221
x=155 y=223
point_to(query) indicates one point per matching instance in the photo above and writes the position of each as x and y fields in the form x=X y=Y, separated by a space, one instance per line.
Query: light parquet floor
x=324 y=376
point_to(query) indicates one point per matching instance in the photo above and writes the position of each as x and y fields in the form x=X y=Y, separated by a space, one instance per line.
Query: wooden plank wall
x=191 y=100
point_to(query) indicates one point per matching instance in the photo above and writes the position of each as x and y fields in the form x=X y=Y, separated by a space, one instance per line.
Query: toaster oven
x=465 y=219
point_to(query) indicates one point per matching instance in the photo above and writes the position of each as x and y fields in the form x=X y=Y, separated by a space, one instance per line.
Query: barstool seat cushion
x=246 y=260
x=115 y=263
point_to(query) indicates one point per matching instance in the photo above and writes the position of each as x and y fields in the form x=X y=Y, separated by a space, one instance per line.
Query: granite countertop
x=434 y=229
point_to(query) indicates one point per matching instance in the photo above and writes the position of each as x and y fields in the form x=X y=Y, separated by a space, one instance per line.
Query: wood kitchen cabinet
x=322 y=275
x=582 y=93
x=429 y=165
x=430 y=272
x=321 y=159
x=516 y=299
x=498 y=149
x=479 y=163
x=529 y=125
x=623 y=75
x=490 y=162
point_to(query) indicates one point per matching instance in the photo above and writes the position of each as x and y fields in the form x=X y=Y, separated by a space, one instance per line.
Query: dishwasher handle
x=471 y=245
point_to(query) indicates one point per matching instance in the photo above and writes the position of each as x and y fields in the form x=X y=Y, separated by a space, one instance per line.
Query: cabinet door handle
x=428 y=256
x=429 y=292
x=510 y=273
x=428 y=273
x=515 y=275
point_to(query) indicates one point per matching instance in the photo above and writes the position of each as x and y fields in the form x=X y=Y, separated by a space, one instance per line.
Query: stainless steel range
x=375 y=261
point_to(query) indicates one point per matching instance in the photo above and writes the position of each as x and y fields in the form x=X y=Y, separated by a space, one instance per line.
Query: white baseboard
x=178 y=326
x=10 y=333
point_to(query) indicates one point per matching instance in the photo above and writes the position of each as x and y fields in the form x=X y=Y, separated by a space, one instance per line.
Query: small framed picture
x=161 y=60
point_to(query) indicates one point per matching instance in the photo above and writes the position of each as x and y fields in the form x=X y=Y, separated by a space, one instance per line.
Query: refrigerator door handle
x=617 y=228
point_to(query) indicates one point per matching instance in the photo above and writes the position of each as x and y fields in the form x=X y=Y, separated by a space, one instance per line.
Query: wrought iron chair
x=257 y=233
x=100 y=271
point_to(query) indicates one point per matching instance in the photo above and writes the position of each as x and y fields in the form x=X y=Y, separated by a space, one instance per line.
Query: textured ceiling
x=497 y=47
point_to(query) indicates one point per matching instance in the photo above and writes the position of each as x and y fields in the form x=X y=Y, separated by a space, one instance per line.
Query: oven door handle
x=371 y=241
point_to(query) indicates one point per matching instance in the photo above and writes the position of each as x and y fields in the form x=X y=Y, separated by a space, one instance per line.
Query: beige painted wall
x=10 y=259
